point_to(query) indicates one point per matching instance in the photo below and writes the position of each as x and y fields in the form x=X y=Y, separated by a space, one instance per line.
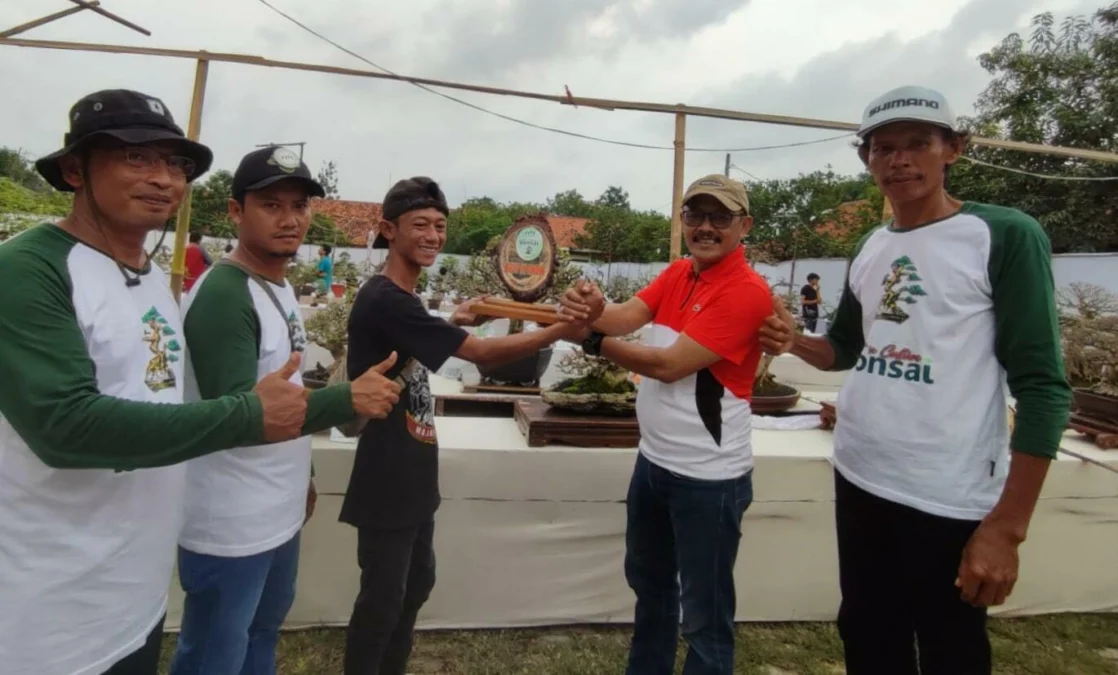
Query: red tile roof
x=356 y=219
x=566 y=229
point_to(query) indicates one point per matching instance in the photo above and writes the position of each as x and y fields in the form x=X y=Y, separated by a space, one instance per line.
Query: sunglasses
x=719 y=220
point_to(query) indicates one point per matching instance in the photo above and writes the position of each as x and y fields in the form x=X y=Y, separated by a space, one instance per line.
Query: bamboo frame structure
x=677 y=185
x=680 y=111
x=81 y=5
x=42 y=21
x=182 y=223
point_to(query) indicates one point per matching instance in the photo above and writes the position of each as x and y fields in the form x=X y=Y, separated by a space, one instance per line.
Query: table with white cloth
x=535 y=536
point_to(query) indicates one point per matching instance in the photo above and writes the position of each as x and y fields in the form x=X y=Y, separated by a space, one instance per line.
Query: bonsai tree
x=593 y=375
x=1089 y=333
x=446 y=280
x=328 y=329
x=346 y=270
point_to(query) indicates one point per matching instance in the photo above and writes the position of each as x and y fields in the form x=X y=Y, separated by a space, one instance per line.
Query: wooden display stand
x=543 y=426
x=1103 y=433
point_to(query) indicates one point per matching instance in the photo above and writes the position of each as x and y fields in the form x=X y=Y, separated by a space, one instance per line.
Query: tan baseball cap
x=730 y=192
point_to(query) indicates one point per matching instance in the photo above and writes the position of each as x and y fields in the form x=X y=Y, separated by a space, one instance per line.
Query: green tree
x=569 y=203
x=1059 y=87
x=813 y=215
x=209 y=206
x=18 y=168
x=324 y=230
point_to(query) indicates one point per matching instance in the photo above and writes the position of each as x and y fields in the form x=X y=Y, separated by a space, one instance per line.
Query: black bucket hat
x=411 y=194
x=128 y=116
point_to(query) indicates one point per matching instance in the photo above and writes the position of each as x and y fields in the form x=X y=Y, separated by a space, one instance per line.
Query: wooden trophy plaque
x=526 y=259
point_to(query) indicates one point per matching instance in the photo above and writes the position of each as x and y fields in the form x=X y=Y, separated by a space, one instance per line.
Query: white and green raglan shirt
x=91 y=484
x=935 y=322
x=247 y=500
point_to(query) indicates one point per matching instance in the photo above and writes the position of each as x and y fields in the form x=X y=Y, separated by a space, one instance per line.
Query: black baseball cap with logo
x=270 y=165
x=129 y=117
x=411 y=194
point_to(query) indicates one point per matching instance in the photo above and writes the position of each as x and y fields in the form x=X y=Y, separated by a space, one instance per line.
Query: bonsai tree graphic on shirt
x=159 y=375
x=901 y=286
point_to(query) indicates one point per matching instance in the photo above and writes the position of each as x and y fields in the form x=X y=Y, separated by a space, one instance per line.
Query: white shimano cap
x=908 y=104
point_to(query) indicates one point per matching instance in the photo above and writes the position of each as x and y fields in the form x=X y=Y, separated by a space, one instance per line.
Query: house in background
x=361 y=220
x=566 y=230
x=358 y=220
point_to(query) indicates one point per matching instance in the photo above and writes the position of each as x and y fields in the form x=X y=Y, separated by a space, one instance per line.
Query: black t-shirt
x=395 y=479
x=808 y=292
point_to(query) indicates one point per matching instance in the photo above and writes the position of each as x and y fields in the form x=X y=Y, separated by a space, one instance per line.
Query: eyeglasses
x=147 y=159
x=719 y=220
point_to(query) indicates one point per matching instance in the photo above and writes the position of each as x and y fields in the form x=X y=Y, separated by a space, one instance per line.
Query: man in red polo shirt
x=693 y=478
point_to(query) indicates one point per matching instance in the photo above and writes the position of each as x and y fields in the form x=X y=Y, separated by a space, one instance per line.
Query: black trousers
x=397 y=576
x=145 y=660
x=901 y=613
x=811 y=318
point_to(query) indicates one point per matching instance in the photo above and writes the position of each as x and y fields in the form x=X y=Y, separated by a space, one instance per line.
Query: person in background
x=693 y=479
x=197 y=261
x=93 y=431
x=325 y=270
x=245 y=507
x=942 y=307
x=809 y=301
x=393 y=491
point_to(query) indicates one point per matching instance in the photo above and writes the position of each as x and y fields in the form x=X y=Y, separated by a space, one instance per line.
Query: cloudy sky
x=811 y=58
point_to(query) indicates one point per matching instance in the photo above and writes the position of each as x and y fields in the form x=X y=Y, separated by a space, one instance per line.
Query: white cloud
x=813 y=58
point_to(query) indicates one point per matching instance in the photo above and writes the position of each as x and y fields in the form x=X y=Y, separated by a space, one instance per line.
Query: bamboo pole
x=599 y=103
x=35 y=23
x=182 y=224
x=93 y=7
x=677 y=185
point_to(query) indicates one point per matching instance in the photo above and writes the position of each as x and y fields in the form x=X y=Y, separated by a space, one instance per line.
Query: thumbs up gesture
x=779 y=330
x=373 y=394
x=284 y=403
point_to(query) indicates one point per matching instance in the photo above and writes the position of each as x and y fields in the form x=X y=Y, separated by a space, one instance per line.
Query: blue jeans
x=234 y=609
x=683 y=532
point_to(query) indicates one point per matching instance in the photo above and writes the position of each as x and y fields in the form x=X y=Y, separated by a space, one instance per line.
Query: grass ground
x=1051 y=645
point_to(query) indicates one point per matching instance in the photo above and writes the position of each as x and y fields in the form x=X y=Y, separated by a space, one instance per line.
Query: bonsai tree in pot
x=769 y=395
x=328 y=329
x=596 y=385
x=1089 y=336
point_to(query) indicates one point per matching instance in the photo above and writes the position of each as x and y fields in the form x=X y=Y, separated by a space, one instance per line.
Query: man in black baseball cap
x=269 y=166
x=410 y=194
x=92 y=366
x=394 y=487
x=245 y=507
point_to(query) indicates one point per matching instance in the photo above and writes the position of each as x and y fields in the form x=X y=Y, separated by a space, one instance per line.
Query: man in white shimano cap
x=942 y=307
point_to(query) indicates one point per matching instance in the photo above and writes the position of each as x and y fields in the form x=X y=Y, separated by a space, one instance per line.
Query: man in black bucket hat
x=93 y=431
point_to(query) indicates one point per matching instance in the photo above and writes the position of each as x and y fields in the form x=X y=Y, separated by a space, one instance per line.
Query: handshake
x=285 y=404
x=580 y=307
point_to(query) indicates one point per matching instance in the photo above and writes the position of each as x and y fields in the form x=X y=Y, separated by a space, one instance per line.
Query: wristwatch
x=592 y=345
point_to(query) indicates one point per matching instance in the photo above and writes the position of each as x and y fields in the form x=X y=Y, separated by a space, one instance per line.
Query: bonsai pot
x=1094 y=405
x=316 y=378
x=434 y=303
x=526 y=371
x=774 y=398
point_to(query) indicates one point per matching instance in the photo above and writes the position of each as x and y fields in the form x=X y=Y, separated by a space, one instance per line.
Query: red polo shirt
x=700 y=425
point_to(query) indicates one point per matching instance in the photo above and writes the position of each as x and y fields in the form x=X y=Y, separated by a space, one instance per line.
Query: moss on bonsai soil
x=595 y=385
